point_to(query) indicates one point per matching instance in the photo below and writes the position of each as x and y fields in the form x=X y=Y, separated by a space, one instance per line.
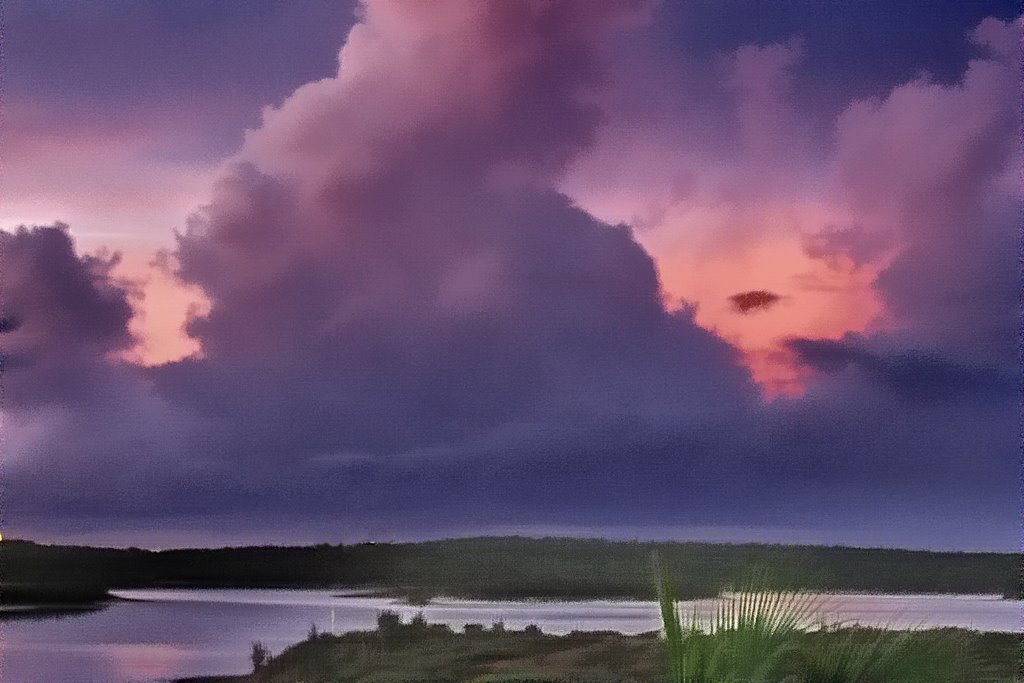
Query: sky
x=322 y=272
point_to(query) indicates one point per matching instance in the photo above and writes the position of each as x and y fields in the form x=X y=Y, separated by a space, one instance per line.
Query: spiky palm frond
x=759 y=633
x=747 y=633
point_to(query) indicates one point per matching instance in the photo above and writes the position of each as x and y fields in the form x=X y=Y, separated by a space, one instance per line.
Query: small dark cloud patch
x=754 y=300
x=8 y=324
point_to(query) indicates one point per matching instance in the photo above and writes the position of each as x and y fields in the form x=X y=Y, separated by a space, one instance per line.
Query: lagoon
x=161 y=634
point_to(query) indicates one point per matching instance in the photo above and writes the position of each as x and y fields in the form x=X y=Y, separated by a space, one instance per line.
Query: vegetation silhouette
x=418 y=651
x=493 y=568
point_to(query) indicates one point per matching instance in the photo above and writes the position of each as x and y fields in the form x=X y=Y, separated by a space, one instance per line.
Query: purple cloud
x=410 y=324
x=937 y=167
x=62 y=315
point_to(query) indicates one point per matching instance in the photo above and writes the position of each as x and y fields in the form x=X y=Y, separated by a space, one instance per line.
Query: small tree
x=388 y=620
x=260 y=655
x=313 y=633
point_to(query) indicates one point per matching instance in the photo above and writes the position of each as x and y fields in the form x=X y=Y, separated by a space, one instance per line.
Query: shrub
x=259 y=655
x=389 y=620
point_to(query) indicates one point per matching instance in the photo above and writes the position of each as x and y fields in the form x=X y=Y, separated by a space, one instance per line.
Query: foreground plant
x=759 y=634
x=744 y=639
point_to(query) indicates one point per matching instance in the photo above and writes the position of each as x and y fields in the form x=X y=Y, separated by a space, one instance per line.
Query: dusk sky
x=292 y=272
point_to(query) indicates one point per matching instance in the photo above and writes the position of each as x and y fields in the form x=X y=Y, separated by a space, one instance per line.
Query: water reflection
x=146 y=660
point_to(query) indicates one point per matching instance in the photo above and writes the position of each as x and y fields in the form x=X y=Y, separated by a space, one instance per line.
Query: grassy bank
x=513 y=567
x=422 y=652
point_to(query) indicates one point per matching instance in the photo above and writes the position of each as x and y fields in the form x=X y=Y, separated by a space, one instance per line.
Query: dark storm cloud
x=60 y=314
x=754 y=300
x=419 y=301
x=407 y=324
x=83 y=433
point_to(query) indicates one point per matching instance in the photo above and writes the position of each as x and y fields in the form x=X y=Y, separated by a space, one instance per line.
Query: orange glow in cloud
x=714 y=237
x=815 y=298
x=161 y=313
x=111 y=186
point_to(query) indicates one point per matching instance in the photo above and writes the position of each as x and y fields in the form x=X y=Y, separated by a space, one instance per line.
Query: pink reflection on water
x=134 y=661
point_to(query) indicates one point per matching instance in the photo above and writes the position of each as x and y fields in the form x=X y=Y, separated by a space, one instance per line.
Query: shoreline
x=509 y=568
x=49 y=611
x=57 y=609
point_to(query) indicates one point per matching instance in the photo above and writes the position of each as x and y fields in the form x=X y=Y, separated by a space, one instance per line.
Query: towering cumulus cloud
x=396 y=289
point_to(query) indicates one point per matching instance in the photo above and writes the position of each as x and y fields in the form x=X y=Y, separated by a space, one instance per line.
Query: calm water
x=165 y=634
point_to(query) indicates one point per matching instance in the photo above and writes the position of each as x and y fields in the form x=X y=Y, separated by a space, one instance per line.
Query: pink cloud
x=936 y=167
x=493 y=93
x=756 y=188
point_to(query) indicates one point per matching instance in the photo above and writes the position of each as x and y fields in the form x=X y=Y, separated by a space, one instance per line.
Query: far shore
x=47 y=580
